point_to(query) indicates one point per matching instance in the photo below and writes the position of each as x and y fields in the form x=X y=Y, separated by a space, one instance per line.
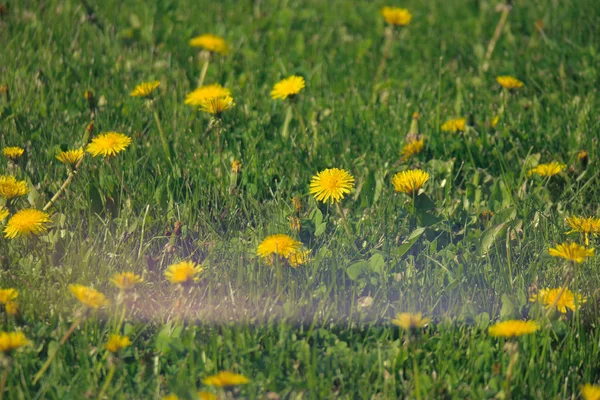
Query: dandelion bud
x=89 y=96
x=583 y=158
x=297 y=202
x=236 y=166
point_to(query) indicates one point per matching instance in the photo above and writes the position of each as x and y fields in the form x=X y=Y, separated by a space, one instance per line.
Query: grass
x=303 y=333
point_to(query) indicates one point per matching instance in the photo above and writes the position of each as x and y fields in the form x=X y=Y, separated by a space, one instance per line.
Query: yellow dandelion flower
x=212 y=43
x=396 y=16
x=70 y=157
x=108 y=144
x=412 y=147
x=217 y=105
x=279 y=244
x=495 y=121
x=225 y=379
x=454 y=125
x=183 y=272
x=568 y=299
x=299 y=258
x=509 y=82
x=410 y=321
x=409 y=182
x=572 y=252
x=116 y=343
x=3 y=213
x=145 y=89
x=10 y=187
x=10 y=341
x=513 y=328
x=26 y=222
x=12 y=308
x=590 y=392
x=13 y=153
x=288 y=87
x=89 y=297
x=331 y=184
x=206 y=396
x=8 y=295
x=125 y=280
x=204 y=93
x=547 y=170
x=587 y=226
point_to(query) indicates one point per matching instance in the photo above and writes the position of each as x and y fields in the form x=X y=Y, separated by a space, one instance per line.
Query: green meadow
x=392 y=289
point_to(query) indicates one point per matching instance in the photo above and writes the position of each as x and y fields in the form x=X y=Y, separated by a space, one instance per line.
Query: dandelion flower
x=509 y=82
x=396 y=16
x=280 y=244
x=116 y=343
x=568 y=299
x=145 y=89
x=206 y=396
x=212 y=43
x=26 y=222
x=10 y=187
x=412 y=147
x=217 y=105
x=571 y=252
x=513 y=328
x=108 y=144
x=587 y=226
x=331 y=184
x=125 y=280
x=547 y=170
x=204 y=93
x=288 y=87
x=590 y=392
x=410 y=321
x=236 y=166
x=454 y=125
x=409 y=182
x=8 y=295
x=225 y=379
x=13 y=153
x=10 y=341
x=70 y=157
x=183 y=272
x=89 y=297
x=3 y=213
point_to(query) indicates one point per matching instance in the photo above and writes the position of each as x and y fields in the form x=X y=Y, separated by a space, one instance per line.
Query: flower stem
x=3 y=382
x=492 y=44
x=345 y=223
x=416 y=377
x=120 y=177
x=286 y=122
x=389 y=38
x=109 y=377
x=59 y=192
x=53 y=355
x=204 y=55
x=163 y=139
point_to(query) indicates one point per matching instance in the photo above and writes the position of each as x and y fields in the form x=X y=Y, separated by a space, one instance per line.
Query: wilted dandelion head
x=10 y=341
x=278 y=245
x=409 y=182
x=299 y=257
x=396 y=16
x=10 y=187
x=509 y=82
x=145 y=89
x=125 y=280
x=547 y=170
x=571 y=251
x=11 y=308
x=294 y=223
x=26 y=222
x=8 y=295
x=584 y=225
x=117 y=342
x=567 y=299
x=89 y=297
x=184 y=272
x=409 y=321
x=210 y=42
x=288 y=87
x=3 y=213
x=590 y=392
x=513 y=328
x=225 y=379
x=204 y=93
x=331 y=184
x=582 y=155
x=108 y=144
x=454 y=125
x=412 y=147
x=13 y=153
x=217 y=105
x=70 y=157
x=236 y=166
